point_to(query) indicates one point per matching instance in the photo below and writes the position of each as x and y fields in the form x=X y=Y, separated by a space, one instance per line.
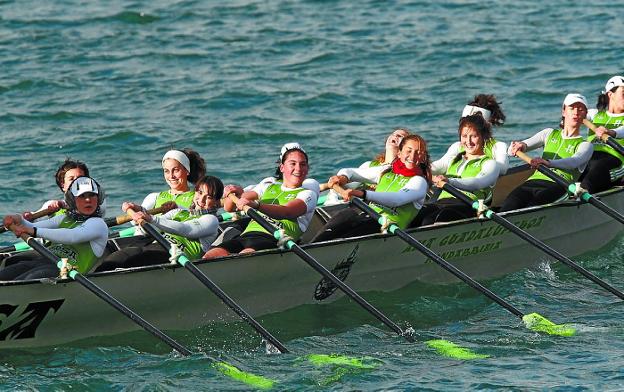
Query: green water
x=117 y=83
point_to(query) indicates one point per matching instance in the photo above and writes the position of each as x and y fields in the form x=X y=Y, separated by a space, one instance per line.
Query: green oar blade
x=340 y=360
x=539 y=323
x=247 y=378
x=452 y=350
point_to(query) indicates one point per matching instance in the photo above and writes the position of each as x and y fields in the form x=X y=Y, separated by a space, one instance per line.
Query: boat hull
x=34 y=314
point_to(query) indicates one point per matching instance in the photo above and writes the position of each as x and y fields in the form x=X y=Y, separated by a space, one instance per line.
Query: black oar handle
x=108 y=298
x=535 y=242
x=437 y=259
x=226 y=299
x=318 y=267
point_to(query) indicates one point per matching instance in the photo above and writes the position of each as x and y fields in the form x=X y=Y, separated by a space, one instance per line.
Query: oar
x=223 y=367
x=318 y=267
x=605 y=137
x=216 y=290
x=571 y=189
x=533 y=241
x=36 y=215
x=533 y=321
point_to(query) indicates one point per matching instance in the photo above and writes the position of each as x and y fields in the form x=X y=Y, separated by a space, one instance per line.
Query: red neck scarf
x=399 y=167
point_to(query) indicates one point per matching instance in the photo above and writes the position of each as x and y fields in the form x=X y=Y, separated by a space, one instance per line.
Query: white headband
x=470 y=110
x=180 y=157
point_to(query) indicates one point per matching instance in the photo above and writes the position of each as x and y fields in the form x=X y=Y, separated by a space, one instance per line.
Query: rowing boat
x=52 y=312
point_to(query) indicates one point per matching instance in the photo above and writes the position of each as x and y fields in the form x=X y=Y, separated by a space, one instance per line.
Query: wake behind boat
x=51 y=312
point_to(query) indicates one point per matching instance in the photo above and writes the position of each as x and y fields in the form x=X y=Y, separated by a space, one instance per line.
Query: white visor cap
x=82 y=185
x=469 y=110
x=614 y=82
x=571 y=99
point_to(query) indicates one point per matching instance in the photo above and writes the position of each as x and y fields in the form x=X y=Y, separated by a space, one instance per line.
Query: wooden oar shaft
x=439 y=260
x=318 y=267
x=216 y=290
x=536 y=242
x=570 y=188
x=42 y=250
x=121 y=219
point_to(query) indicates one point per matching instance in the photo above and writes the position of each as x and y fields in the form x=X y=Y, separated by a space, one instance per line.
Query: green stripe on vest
x=80 y=255
x=610 y=122
x=557 y=147
x=274 y=194
x=403 y=215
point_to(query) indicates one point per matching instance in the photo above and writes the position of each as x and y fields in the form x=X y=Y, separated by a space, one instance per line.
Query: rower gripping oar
x=121 y=219
x=605 y=138
x=533 y=241
x=42 y=250
x=226 y=299
x=311 y=261
x=571 y=189
x=533 y=321
x=36 y=215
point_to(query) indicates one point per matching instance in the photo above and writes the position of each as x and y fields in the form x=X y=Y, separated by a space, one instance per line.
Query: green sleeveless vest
x=275 y=195
x=192 y=248
x=81 y=255
x=557 y=147
x=603 y=118
x=488 y=148
x=403 y=215
x=472 y=169
x=183 y=200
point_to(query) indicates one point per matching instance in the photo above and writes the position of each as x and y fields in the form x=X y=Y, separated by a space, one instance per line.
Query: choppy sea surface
x=117 y=83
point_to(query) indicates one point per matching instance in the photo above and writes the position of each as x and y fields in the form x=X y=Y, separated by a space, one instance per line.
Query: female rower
x=179 y=168
x=384 y=158
x=400 y=192
x=565 y=152
x=471 y=171
x=289 y=199
x=193 y=230
x=487 y=105
x=65 y=174
x=606 y=166
x=79 y=235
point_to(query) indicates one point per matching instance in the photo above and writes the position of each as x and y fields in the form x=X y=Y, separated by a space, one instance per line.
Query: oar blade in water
x=245 y=377
x=341 y=360
x=452 y=350
x=539 y=323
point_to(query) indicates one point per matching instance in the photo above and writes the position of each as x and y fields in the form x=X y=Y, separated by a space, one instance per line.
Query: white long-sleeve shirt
x=205 y=228
x=484 y=179
x=578 y=161
x=93 y=230
x=414 y=191
x=499 y=152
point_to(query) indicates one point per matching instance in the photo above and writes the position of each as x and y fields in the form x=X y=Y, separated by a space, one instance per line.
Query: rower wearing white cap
x=490 y=109
x=606 y=166
x=80 y=234
x=565 y=152
x=179 y=168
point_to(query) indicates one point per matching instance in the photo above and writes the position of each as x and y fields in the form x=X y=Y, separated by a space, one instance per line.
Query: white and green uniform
x=474 y=177
x=610 y=121
x=272 y=191
x=192 y=232
x=81 y=242
x=157 y=199
x=493 y=149
x=568 y=156
x=397 y=197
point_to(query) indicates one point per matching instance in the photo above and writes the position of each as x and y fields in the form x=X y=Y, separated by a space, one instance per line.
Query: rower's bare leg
x=215 y=252
x=247 y=250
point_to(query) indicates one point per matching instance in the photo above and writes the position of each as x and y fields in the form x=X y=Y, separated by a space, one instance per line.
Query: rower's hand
x=600 y=131
x=439 y=181
x=168 y=205
x=131 y=206
x=516 y=146
x=350 y=193
x=535 y=162
x=27 y=215
x=9 y=220
x=231 y=188
x=55 y=205
x=142 y=217
x=244 y=202
x=337 y=180
x=20 y=229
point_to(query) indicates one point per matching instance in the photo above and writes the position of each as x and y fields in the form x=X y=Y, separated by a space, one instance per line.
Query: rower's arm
x=203 y=226
x=413 y=192
x=486 y=178
x=577 y=161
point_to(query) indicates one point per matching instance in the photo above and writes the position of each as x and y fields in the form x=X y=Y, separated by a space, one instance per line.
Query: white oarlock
x=175 y=253
x=578 y=190
x=385 y=224
x=482 y=208
x=283 y=240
